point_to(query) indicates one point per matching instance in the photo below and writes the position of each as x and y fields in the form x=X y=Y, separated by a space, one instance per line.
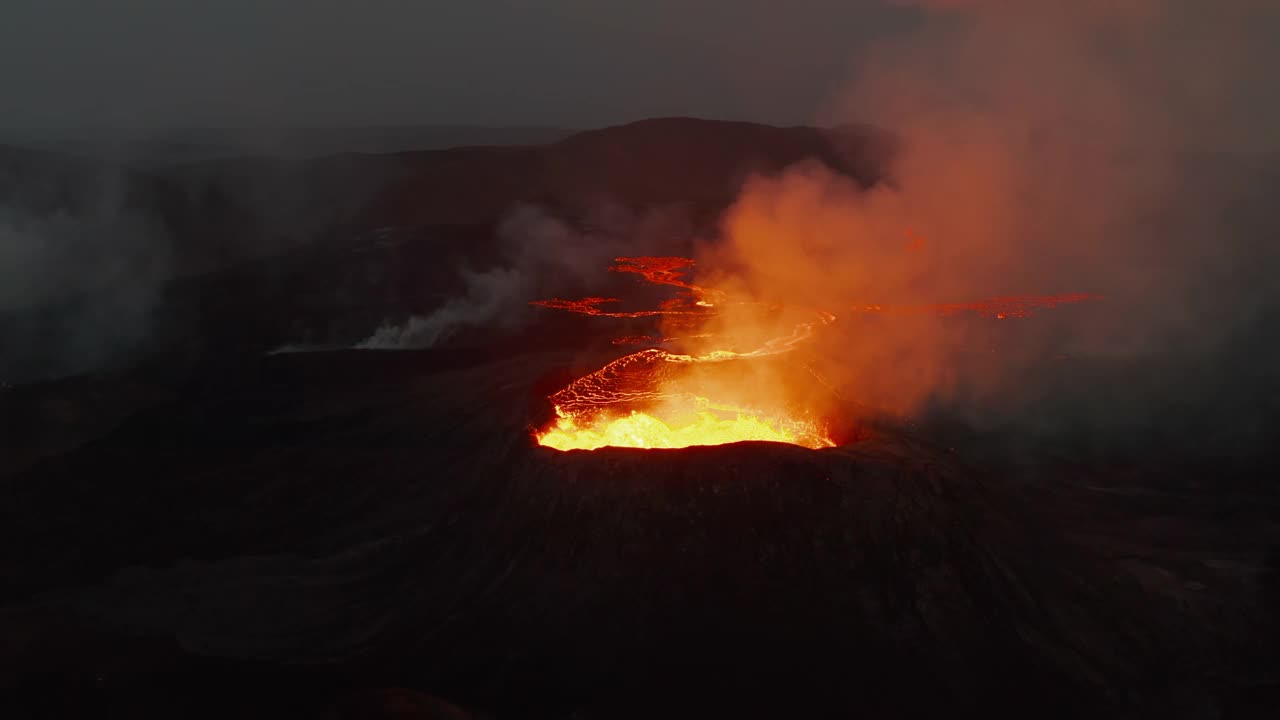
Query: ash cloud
x=1047 y=147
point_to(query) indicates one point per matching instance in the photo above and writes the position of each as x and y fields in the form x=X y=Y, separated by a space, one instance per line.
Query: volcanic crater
x=270 y=532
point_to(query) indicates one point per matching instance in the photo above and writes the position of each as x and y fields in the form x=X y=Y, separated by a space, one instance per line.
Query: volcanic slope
x=348 y=520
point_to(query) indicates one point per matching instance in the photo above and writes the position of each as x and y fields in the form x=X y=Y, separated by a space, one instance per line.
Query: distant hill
x=160 y=149
x=651 y=162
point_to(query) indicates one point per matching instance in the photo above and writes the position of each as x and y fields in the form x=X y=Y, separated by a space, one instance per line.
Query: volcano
x=203 y=528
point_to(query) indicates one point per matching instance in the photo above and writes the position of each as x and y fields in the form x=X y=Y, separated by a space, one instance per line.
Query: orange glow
x=642 y=340
x=691 y=299
x=649 y=399
x=1000 y=308
x=729 y=385
x=705 y=427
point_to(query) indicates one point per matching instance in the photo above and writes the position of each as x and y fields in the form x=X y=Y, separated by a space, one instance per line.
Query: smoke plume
x=1047 y=147
x=540 y=255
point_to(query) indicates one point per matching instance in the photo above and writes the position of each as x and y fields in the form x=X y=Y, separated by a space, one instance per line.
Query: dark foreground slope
x=289 y=535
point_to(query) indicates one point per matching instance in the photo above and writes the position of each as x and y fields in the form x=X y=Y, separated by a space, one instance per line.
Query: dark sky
x=575 y=63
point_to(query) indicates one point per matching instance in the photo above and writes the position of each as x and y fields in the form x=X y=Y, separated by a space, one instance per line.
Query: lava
x=642 y=400
x=668 y=271
x=704 y=302
x=690 y=300
x=648 y=399
x=642 y=430
x=656 y=398
x=642 y=340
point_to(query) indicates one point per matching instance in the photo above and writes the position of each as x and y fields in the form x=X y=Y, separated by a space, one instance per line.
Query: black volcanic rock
x=384 y=518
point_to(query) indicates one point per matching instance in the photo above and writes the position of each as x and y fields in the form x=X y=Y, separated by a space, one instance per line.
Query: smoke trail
x=541 y=255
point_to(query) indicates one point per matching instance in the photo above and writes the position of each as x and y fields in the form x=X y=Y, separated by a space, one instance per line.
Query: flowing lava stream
x=652 y=399
x=600 y=409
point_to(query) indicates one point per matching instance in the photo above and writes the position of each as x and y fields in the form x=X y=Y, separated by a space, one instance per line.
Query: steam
x=489 y=296
x=79 y=280
x=1047 y=147
x=541 y=256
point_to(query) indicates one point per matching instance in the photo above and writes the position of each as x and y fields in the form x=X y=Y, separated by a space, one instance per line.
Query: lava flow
x=642 y=430
x=650 y=399
x=654 y=399
x=657 y=398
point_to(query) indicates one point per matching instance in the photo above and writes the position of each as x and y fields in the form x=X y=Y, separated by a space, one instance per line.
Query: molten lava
x=649 y=399
x=660 y=399
x=642 y=430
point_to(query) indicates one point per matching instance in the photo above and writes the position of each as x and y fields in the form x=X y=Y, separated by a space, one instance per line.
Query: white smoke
x=541 y=256
x=489 y=294
x=80 y=280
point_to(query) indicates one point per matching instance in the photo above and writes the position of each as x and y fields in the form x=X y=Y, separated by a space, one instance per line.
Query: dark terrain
x=191 y=526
